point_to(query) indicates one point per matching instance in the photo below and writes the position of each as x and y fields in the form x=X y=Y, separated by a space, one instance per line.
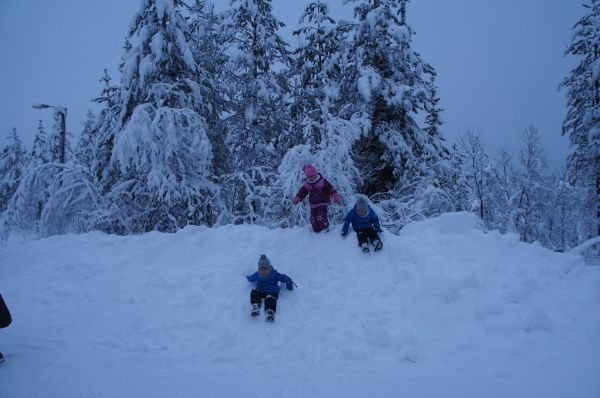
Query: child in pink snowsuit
x=320 y=192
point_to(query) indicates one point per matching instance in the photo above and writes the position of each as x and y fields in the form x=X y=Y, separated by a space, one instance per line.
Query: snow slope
x=445 y=310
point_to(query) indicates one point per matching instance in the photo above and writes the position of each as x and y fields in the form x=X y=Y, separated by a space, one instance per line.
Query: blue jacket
x=270 y=283
x=369 y=221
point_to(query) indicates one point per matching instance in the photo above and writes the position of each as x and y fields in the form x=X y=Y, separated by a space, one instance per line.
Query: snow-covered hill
x=445 y=310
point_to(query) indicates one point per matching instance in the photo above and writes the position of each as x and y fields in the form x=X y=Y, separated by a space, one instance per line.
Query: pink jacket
x=319 y=192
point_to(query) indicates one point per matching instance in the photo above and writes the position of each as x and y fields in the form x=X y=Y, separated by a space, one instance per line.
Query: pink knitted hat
x=310 y=170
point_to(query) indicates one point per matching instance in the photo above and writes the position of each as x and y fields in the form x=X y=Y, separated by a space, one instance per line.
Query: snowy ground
x=445 y=310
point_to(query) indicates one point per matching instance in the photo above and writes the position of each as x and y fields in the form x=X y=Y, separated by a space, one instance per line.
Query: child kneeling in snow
x=366 y=224
x=267 y=287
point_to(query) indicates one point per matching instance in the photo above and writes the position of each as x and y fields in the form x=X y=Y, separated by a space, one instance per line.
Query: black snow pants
x=257 y=296
x=5 y=318
x=366 y=235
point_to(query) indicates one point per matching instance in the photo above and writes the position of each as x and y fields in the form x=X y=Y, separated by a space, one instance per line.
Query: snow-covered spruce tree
x=24 y=210
x=429 y=194
x=86 y=146
x=382 y=91
x=74 y=195
x=158 y=66
x=208 y=41
x=532 y=199
x=433 y=120
x=258 y=117
x=313 y=61
x=161 y=161
x=73 y=202
x=39 y=152
x=563 y=218
x=433 y=195
x=325 y=139
x=106 y=126
x=52 y=197
x=582 y=123
x=13 y=161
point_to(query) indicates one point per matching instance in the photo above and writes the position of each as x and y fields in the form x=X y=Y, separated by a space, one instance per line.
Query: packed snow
x=445 y=310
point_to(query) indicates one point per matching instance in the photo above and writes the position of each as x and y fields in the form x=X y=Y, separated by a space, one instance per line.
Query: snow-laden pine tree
x=106 y=126
x=564 y=222
x=312 y=69
x=429 y=194
x=325 y=139
x=158 y=66
x=258 y=117
x=86 y=145
x=24 y=210
x=53 y=197
x=73 y=195
x=582 y=123
x=73 y=203
x=208 y=41
x=161 y=161
x=39 y=152
x=433 y=120
x=382 y=92
x=13 y=161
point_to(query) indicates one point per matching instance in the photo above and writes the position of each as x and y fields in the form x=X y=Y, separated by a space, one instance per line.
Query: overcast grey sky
x=499 y=63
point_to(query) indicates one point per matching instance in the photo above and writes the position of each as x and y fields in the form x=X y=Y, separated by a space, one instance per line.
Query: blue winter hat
x=263 y=262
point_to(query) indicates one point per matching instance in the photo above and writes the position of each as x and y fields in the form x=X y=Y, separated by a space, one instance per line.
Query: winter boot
x=270 y=316
x=364 y=247
x=255 y=310
x=378 y=245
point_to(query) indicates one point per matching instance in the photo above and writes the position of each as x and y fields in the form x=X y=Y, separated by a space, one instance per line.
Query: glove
x=295 y=200
x=344 y=234
x=289 y=285
x=336 y=198
x=248 y=278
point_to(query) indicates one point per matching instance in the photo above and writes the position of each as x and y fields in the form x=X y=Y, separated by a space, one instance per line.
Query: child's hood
x=367 y=214
x=269 y=275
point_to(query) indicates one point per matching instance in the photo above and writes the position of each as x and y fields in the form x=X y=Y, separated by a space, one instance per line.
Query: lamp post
x=62 y=111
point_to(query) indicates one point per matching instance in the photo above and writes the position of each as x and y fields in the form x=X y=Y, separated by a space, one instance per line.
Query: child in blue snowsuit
x=366 y=224
x=267 y=287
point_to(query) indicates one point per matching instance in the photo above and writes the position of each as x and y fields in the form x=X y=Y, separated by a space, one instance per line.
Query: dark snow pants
x=257 y=296
x=318 y=218
x=366 y=235
x=5 y=318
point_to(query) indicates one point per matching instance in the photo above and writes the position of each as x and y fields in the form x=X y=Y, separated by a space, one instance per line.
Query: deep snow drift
x=445 y=310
